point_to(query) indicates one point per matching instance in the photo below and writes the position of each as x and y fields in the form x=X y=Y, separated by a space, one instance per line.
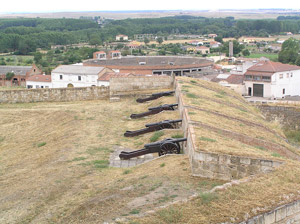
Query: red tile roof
x=271 y=67
x=108 y=75
x=39 y=78
x=235 y=79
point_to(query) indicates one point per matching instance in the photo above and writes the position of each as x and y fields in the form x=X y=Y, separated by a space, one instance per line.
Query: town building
x=21 y=73
x=76 y=76
x=134 y=45
x=38 y=81
x=99 y=55
x=121 y=37
x=154 y=65
x=272 y=80
x=142 y=37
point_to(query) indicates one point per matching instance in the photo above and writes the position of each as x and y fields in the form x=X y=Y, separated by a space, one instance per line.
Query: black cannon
x=166 y=146
x=166 y=124
x=155 y=96
x=155 y=110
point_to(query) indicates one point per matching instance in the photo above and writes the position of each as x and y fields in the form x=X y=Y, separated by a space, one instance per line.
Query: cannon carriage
x=166 y=146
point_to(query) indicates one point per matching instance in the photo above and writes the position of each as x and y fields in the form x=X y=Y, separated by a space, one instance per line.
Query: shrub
x=41 y=144
x=156 y=136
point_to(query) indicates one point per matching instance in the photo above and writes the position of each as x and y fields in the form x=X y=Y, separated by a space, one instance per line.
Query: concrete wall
x=131 y=85
x=217 y=166
x=53 y=95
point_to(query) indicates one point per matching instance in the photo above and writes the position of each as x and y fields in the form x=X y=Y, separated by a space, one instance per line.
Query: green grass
x=41 y=144
x=156 y=136
x=2 y=138
x=193 y=81
x=162 y=165
x=78 y=159
x=100 y=164
x=206 y=198
x=127 y=172
x=293 y=135
x=276 y=155
x=273 y=57
x=134 y=211
x=177 y=136
x=207 y=139
x=171 y=215
x=192 y=95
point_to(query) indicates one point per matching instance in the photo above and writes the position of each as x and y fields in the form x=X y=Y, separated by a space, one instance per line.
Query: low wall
x=138 y=84
x=54 y=95
x=289 y=213
x=213 y=165
x=288 y=117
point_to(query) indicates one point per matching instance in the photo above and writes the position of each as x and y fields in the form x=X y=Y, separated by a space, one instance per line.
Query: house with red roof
x=38 y=81
x=272 y=80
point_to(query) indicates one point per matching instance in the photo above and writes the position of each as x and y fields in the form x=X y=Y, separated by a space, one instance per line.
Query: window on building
x=60 y=77
x=266 y=78
x=29 y=86
x=291 y=74
x=287 y=75
x=79 y=78
x=22 y=79
x=248 y=77
x=281 y=76
x=37 y=86
x=283 y=91
x=257 y=78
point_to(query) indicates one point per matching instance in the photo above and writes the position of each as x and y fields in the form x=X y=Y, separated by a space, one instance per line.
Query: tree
x=246 y=52
x=219 y=39
x=289 y=51
x=159 y=40
x=38 y=57
x=146 y=41
x=9 y=75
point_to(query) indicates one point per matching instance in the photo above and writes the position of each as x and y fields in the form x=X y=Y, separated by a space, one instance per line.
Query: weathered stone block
x=269 y=217
x=266 y=163
x=280 y=213
x=291 y=209
x=266 y=169
x=235 y=160
x=225 y=159
x=245 y=161
x=199 y=156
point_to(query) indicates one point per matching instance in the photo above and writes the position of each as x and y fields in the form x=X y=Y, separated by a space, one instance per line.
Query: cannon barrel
x=164 y=107
x=166 y=124
x=155 y=96
x=154 y=110
x=163 y=122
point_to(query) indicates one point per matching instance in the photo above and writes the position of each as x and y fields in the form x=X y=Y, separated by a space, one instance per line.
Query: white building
x=121 y=37
x=272 y=80
x=38 y=81
x=76 y=76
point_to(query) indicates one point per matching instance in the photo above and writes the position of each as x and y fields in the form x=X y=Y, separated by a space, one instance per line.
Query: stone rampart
x=213 y=165
x=288 y=117
x=53 y=95
x=139 y=85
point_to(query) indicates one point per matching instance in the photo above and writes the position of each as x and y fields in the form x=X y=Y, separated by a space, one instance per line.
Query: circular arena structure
x=158 y=65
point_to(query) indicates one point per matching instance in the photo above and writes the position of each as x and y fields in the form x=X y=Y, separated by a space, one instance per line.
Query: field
x=54 y=163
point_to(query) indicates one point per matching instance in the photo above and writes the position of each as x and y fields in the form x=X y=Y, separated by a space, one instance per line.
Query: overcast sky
x=16 y=6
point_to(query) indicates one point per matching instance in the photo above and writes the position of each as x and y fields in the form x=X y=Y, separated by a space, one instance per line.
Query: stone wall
x=54 y=95
x=213 y=165
x=139 y=85
x=288 y=117
x=289 y=213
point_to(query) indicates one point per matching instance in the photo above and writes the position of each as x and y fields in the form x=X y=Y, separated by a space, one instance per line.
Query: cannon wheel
x=169 y=148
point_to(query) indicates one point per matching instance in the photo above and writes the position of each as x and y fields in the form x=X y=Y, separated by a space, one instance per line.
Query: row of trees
x=289 y=53
x=26 y=35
